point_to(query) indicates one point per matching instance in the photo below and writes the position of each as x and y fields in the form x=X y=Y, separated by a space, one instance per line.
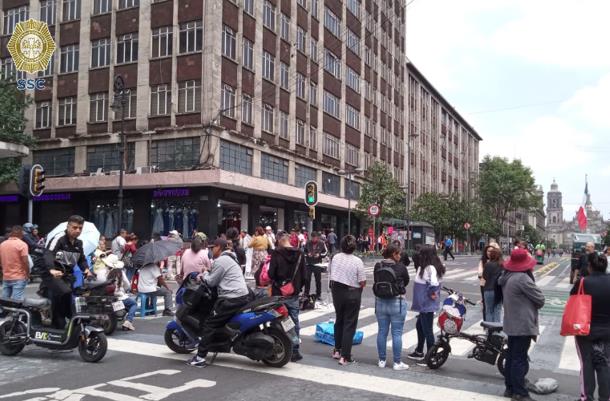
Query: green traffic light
x=310 y=199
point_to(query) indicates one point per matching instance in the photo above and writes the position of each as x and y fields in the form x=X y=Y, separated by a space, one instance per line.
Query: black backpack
x=386 y=284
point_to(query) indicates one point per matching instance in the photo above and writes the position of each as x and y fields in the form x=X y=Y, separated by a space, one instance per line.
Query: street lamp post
x=119 y=103
x=348 y=173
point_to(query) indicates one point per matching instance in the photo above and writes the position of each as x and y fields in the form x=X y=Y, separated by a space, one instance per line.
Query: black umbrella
x=154 y=252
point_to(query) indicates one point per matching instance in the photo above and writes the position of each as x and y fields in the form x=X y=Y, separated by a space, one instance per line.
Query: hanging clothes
x=186 y=231
x=158 y=226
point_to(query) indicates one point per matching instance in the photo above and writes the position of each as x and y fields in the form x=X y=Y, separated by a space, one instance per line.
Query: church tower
x=554 y=208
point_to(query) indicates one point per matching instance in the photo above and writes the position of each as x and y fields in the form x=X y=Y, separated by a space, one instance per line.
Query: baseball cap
x=174 y=233
x=222 y=243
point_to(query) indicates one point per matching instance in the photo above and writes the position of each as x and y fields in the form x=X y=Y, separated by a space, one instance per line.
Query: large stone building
x=559 y=230
x=232 y=107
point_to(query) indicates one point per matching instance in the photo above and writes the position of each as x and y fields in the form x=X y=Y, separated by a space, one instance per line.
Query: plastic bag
x=542 y=386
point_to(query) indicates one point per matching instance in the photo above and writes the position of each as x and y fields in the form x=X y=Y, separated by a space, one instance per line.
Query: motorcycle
x=23 y=325
x=489 y=348
x=262 y=330
x=98 y=300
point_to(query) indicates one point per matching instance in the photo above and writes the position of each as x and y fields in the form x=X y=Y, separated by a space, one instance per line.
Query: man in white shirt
x=152 y=283
x=270 y=236
x=118 y=244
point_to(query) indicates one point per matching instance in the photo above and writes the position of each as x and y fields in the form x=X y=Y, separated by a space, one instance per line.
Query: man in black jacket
x=66 y=251
x=315 y=250
x=233 y=236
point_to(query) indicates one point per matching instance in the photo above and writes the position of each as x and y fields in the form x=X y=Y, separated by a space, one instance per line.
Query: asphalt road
x=139 y=366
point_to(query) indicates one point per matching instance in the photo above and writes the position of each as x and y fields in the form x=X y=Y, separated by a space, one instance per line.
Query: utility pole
x=348 y=173
x=120 y=101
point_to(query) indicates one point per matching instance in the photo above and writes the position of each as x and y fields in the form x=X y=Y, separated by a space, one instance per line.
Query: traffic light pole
x=349 y=202
x=119 y=88
x=30 y=209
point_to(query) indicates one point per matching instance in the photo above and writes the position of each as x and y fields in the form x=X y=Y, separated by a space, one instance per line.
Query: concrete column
x=257 y=107
x=141 y=151
x=244 y=217
x=80 y=159
x=212 y=59
x=144 y=43
x=291 y=172
x=256 y=163
x=281 y=222
x=82 y=98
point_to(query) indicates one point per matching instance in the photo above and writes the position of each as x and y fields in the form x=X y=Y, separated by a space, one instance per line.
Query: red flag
x=582 y=219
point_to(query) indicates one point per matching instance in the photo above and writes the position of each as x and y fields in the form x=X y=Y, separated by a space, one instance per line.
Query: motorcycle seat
x=259 y=304
x=36 y=302
x=492 y=326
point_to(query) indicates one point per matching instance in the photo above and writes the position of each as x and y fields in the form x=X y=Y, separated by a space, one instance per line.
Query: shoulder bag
x=287 y=289
x=576 y=319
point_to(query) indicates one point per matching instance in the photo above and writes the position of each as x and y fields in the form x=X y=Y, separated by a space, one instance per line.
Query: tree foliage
x=531 y=235
x=505 y=186
x=12 y=126
x=383 y=189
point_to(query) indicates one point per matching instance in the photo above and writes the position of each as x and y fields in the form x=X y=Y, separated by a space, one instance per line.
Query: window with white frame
x=127 y=48
x=332 y=22
x=101 y=6
x=248 y=54
x=66 y=114
x=370 y=23
x=314 y=9
x=352 y=155
x=71 y=10
x=69 y=59
x=100 y=53
x=313 y=138
x=300 y=133
x=300 y=86
x=43 y=115
x=130 y=105
x=367 y=126
x=301 y=40
x=302 y=3
x=284 y=68
x=332 y=64
x=160 y=100
x=9 y=71
x=274 y=168
x=313 y=50
x=354 y=7
x=384 y=136
x=162 y=41
x=313 y=93
x=246 y=109
x=283 y=125
x=269 y=15
x=285 y=27
x=303 y=174
x=267 y=123
x=352 y=79
x=331 y=146
x=368 y=55
x=228 y=42
x=128 y=4
x=352 y=117
x=47 y=11
x=353 y=42
x=191 y=36
x=249 y=6
x=268 y=66
x=331 y=104
x=98 y=107
x=228 y=101
x=189 y=96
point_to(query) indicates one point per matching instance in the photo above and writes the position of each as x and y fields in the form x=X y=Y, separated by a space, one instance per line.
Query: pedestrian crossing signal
x=37 y=179
x=311 y=193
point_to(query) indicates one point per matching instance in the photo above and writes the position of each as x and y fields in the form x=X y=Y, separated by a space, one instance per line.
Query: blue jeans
x=493 y=313
x=425 y=331
x=14 y=289
x=390 y=312
x=131 y=306
x=293 y=310
x=517 y=365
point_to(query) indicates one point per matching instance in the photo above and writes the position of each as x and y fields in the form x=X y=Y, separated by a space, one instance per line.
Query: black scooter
x=24 y=325
x=98 y=300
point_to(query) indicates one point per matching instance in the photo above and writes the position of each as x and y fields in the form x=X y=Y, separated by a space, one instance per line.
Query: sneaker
x=400 y=366
x=197 y=361
x=345 y=361
x=418 y=356
x=336 y=354
x=381 y=364
x=508 y=394
x=127 y=325
x=296 y=356
x=168 y=312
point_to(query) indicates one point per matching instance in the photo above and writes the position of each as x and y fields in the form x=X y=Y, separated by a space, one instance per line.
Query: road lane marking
x=545 y=281
x=462 y=346
x=311 y=329
x=569 y=355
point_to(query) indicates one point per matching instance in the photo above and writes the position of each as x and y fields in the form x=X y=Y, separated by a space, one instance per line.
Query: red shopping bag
x=577 y=315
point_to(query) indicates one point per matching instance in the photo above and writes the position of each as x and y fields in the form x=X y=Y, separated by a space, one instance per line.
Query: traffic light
x=37 y=180
x=311 y=193
x=312 y=212
x=24 y=181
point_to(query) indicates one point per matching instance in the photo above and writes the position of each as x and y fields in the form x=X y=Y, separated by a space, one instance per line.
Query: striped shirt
x=347 y=269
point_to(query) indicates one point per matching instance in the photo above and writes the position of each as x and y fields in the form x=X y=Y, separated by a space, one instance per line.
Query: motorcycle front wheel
x=282 y=348
x=6 y=331
x=93 y=348
x=501 y=363
x=178 y=342
x=437 y=355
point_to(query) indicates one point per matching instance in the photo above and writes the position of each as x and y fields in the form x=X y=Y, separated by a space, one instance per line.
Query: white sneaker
x=381 y=364
x=400 y=366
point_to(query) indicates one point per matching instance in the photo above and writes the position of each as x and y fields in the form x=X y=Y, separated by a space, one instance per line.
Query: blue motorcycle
x=262 y=330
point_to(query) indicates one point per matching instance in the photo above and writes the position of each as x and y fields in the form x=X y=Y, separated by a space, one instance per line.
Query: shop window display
x=268 y=217
x=179 y=215
x=229 y=215
x=105 y=215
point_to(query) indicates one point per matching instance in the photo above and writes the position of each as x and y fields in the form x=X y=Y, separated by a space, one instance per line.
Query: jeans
x=517 y=364
x=166 y=294
x=14 y=289
x=131 y=306
x=493 y=313
x=425 y=332
x=347 y=308
x=390 y=312
x=317 y=273
x=293 y=310
x=594 y=362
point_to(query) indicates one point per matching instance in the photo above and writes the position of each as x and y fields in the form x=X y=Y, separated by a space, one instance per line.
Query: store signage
x=171 y=193
x=9 y=198
x=53 y=197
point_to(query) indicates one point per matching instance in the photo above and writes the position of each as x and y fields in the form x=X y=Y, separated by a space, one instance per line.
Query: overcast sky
x=532 y=77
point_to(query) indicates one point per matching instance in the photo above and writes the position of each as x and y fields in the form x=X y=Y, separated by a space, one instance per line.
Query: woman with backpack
x=426 y=298
x=391 y=279
x=492 y=294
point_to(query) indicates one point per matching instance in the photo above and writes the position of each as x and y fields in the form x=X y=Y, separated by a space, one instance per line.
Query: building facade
x=443 y=147
x=231 y=106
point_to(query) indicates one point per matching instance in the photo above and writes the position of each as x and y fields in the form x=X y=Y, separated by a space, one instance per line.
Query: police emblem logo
x=31 y=46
